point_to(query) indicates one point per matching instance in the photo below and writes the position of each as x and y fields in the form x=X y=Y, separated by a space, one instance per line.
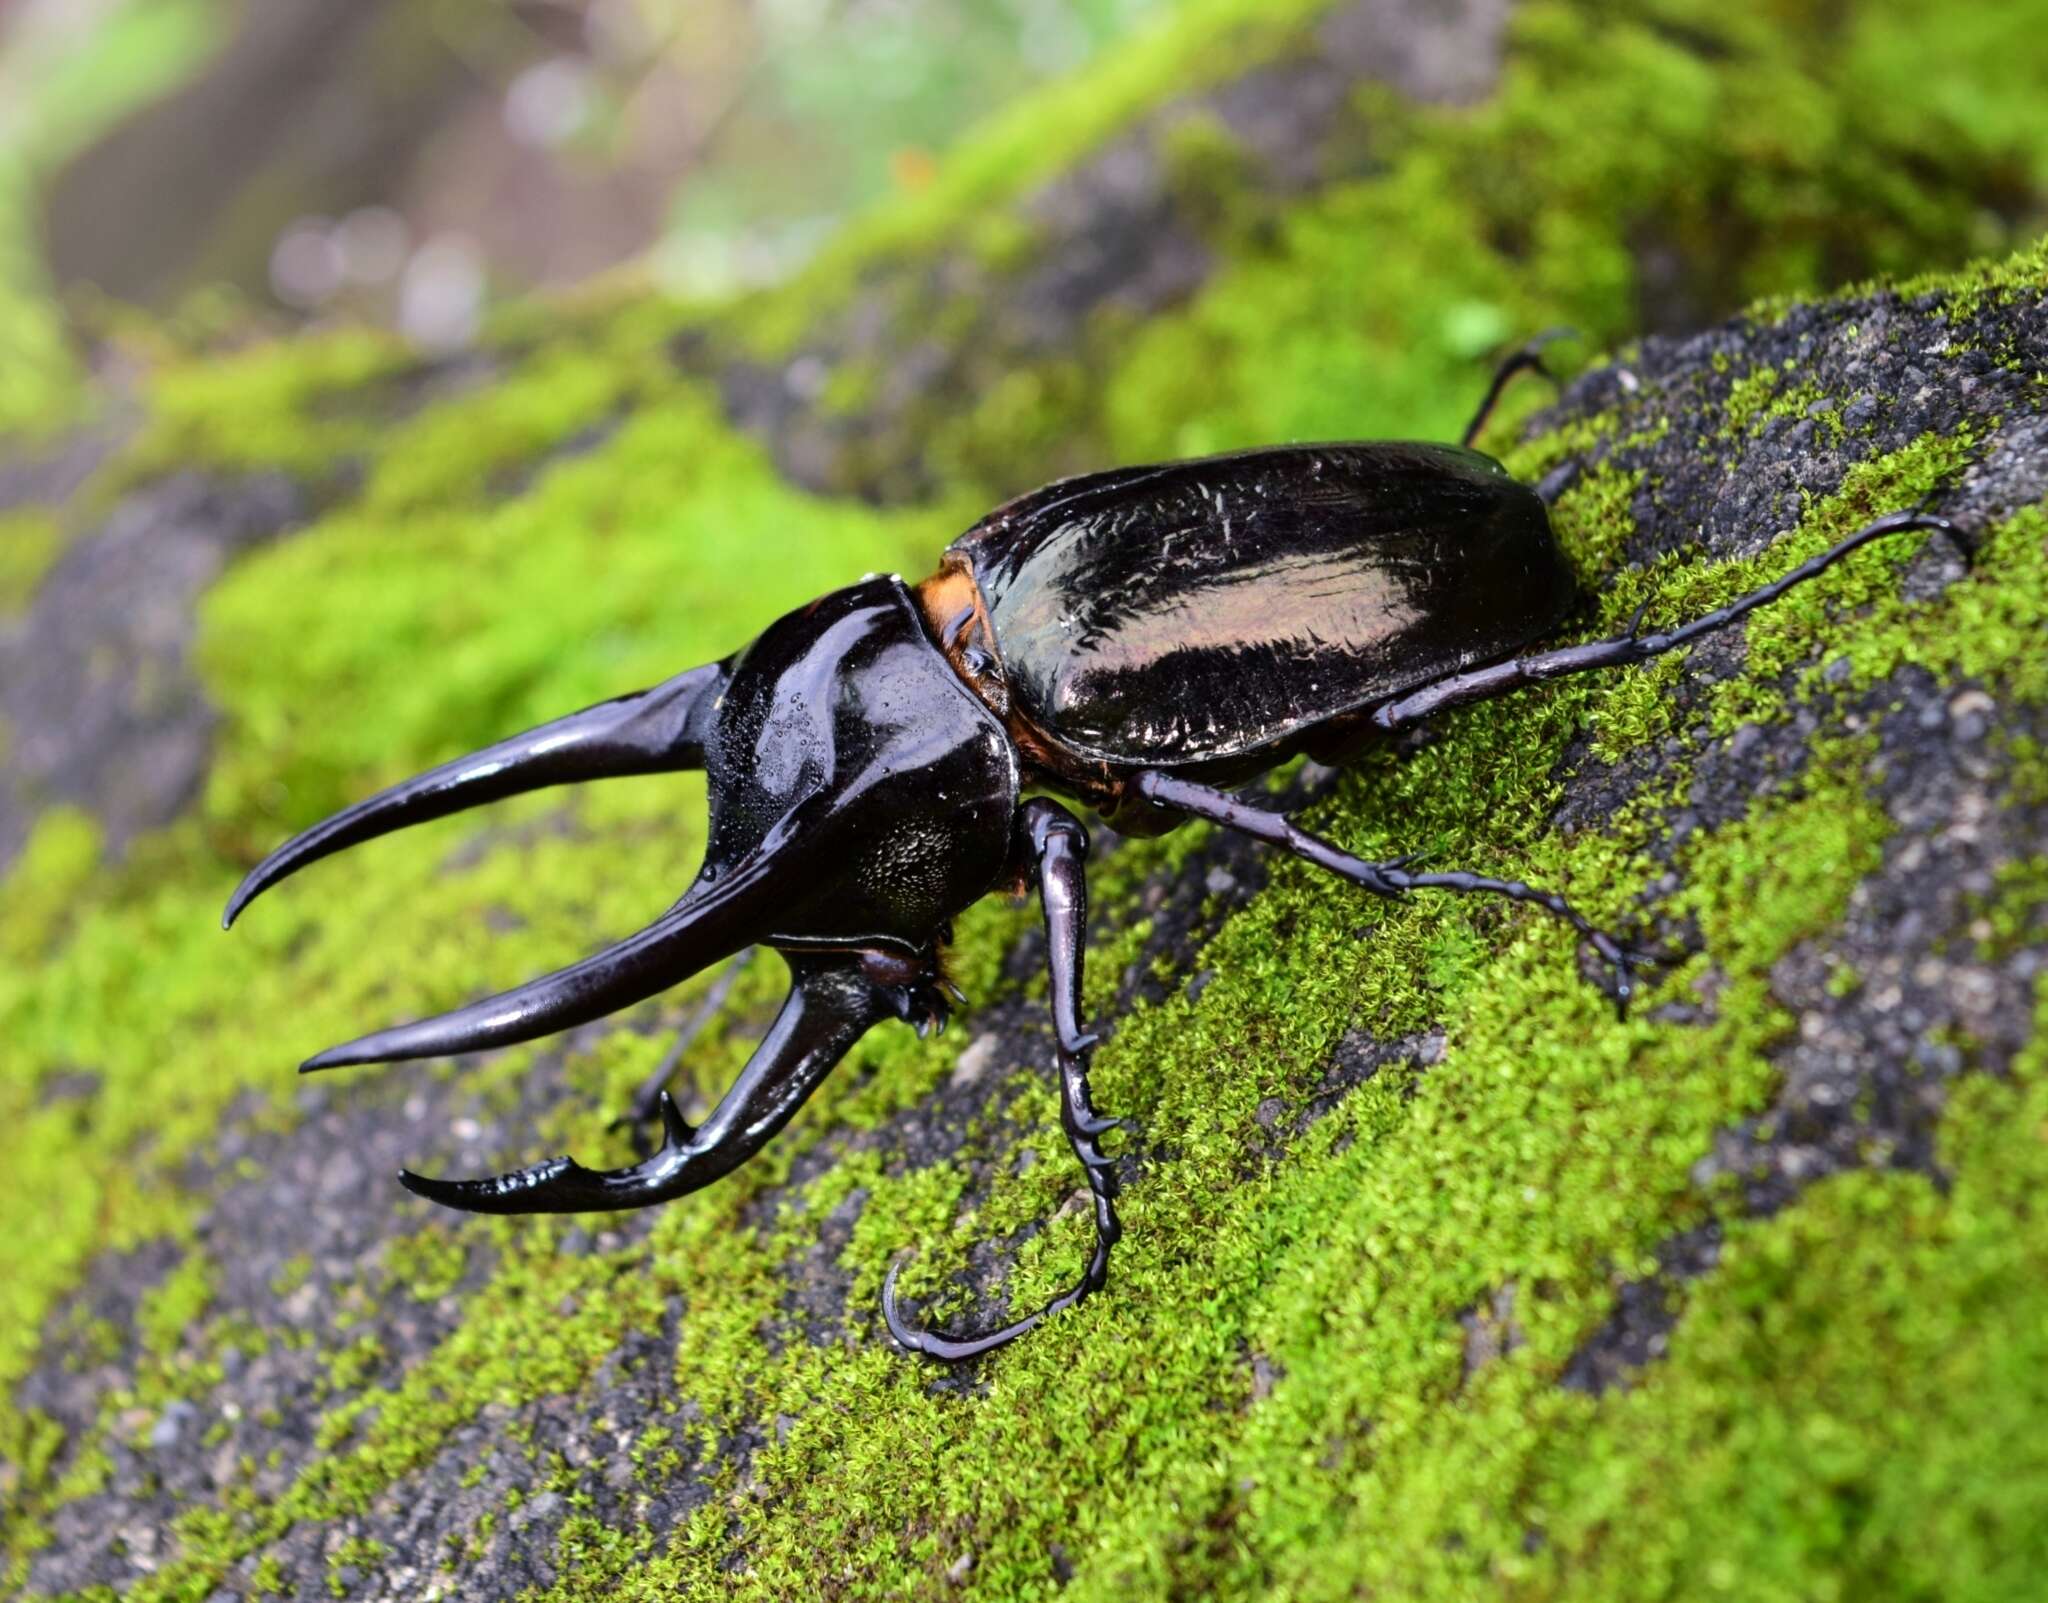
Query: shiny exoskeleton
x=1137 y=640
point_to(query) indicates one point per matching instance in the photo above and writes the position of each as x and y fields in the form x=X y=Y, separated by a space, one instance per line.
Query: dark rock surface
x=98 y=695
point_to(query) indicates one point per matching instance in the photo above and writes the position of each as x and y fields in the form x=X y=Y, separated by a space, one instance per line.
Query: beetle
x=1140 y=641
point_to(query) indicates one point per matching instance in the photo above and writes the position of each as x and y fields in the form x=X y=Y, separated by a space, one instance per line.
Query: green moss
x=1029 y=143
x=44 y=884
x=1884 y=1454
x=175 y=1304
x=30 y=542
x=1756 y=400
x=2014 y=916
x=1749 y=397
x=1209 y=176
x=427 y=1263
x=293 y=1273
x=1366 y=310
x=351 y=1555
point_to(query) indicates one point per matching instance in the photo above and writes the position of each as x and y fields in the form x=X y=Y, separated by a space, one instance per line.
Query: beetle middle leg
x=1391 y=878
x=1057 y=846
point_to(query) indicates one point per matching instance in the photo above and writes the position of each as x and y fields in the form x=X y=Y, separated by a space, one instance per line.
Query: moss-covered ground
x=1440 y=1281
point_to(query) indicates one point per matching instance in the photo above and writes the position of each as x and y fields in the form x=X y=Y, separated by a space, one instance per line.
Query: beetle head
x=860 y=797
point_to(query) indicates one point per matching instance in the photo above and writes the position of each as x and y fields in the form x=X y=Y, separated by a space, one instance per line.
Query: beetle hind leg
x=1483 y=684
x=1393 y=878
x=1055 y=840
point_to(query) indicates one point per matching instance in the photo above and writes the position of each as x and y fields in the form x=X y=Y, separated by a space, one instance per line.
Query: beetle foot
x=1617 y=959
x=1082 y=1125
x=927 y=1009
x=1627 y=959
x=958 y=1349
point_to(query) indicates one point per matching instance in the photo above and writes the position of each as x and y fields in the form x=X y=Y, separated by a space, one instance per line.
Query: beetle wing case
x=1180 y=615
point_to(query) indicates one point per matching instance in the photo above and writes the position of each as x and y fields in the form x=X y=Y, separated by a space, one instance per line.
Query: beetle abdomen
x=1196 y=611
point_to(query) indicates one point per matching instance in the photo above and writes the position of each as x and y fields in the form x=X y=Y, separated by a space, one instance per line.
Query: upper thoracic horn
x=649 y=732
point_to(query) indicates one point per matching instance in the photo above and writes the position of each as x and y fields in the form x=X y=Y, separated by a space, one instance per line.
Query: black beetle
x=1139 y=640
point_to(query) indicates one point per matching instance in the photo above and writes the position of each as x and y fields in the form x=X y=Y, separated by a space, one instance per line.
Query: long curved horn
x=830 y=1006
x=713 y=920
x=649 y=732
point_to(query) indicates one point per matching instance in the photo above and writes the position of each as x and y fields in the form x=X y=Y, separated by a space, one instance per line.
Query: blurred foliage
x=849 y=101
x=766 y=123
x=67 y=72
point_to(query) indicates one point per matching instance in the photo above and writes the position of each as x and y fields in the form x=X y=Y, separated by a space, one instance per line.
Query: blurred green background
x=406 y=162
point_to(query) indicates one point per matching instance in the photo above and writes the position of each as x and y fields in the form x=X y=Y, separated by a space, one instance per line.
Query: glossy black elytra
x=1138 y=640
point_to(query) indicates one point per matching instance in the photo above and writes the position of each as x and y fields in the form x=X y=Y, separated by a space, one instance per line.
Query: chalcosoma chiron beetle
x=1138 y=640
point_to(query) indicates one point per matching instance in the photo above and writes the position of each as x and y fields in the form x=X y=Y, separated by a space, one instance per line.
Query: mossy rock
x=1440 y=1281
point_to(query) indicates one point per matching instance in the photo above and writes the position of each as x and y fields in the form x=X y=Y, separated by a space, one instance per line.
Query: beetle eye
x=977 y=660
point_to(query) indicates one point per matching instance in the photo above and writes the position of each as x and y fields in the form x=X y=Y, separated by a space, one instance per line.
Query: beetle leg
x=646 y=1104
x=1388 y=878
x=1483 y=684
x=832 y=1003
x=1059 y=846
x=1528 y=358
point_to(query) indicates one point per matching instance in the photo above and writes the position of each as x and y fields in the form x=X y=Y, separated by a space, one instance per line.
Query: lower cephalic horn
x=831 y=1004
x=713 y=920
x=652 y=731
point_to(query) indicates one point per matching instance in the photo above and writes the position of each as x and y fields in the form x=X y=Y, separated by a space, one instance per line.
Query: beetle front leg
x=1390 y=878
x=1058 y=846
x=645 y=1107
x=834 y=999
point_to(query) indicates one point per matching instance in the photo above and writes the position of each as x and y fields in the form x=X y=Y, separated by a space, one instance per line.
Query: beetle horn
x=649 y=732
x=714 y=919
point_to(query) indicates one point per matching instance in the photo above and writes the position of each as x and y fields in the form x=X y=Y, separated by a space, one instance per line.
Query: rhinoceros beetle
x=1139 y=640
